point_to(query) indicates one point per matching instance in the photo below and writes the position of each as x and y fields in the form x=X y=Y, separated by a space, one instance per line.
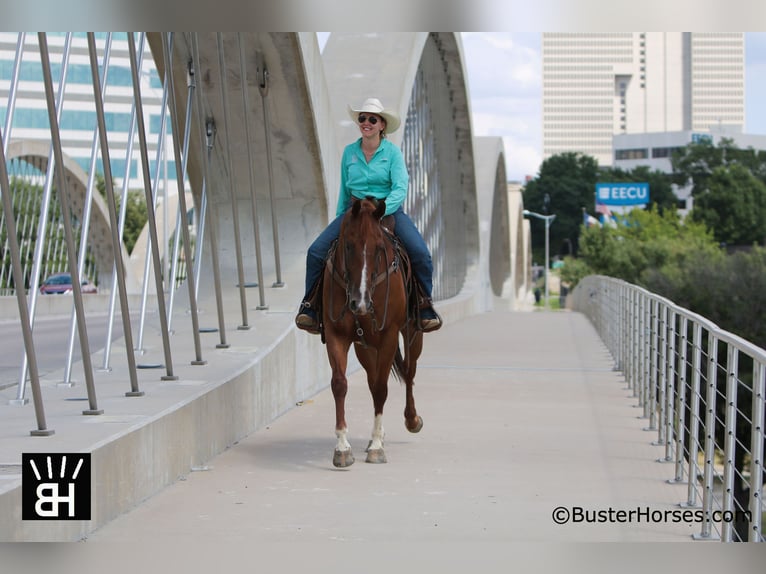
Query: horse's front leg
x=378 y=367
x=338 y=354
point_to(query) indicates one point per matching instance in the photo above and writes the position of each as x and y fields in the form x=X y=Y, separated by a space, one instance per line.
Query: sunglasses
x=372 y=119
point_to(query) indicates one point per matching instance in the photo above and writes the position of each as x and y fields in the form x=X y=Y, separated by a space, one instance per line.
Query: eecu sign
x=622 y=193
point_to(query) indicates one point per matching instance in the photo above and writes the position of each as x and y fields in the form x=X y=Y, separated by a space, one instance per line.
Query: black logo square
x=55 y=486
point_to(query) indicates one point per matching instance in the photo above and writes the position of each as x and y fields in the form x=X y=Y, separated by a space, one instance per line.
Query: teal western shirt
x=384 y=177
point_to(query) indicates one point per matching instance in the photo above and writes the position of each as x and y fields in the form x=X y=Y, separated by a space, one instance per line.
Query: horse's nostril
x=354 y=306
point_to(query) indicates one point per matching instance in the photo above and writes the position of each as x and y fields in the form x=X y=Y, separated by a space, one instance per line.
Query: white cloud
x=505 y=87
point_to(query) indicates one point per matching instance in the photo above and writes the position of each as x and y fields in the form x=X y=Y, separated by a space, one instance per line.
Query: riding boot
x=428 y=319
x=308 y=314
x=307 y=319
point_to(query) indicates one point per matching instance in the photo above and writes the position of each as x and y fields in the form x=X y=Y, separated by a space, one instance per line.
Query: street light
x=548 y=220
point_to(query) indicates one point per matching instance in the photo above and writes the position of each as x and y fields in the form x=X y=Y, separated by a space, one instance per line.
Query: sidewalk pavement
x=523 y=414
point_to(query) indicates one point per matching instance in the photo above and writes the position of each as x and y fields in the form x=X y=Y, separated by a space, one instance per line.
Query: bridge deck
x=523 y=414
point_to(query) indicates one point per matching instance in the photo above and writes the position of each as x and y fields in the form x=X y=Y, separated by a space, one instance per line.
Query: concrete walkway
x=523 y=414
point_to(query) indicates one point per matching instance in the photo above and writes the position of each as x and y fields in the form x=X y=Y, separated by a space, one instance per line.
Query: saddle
x=416 y=296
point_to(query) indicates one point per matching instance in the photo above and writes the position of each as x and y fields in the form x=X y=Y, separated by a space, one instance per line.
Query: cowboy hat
x=373 y=106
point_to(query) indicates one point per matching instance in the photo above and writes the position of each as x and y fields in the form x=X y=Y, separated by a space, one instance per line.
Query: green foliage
x=565 y=184
x=733 y=205
x=648 y=241
x=682 y=261
x=136 y=214
x=135 y=218
x=574 y=269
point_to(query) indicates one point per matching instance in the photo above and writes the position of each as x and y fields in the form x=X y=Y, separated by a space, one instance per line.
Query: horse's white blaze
x=363 y=282
x=377 y=433
x=343 y=444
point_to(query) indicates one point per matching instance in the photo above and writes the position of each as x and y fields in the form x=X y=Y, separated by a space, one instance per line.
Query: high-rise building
x=77 y=117
x=598 y=85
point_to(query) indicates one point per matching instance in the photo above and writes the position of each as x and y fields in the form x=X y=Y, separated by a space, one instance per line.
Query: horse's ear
x=380 y=209
x=355 y=207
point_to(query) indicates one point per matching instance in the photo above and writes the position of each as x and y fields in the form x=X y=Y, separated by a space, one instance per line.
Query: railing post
x=756 y=452
x=694 y=418
x=680 y=407
x=710 y=398
x=729 y=445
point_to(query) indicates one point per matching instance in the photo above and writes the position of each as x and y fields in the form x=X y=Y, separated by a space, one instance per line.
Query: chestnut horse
x=365 y=303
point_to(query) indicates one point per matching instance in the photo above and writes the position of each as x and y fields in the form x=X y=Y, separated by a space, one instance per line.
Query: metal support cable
x=232 y=190
x=116 y=240
x=206 y=147
x=10 y=108
x=182 y=201
x=200 y=236
x=153 y=243
x=86 y=216
x=263 y=86
x=253 y=194
x=26 y=325
x=12 y=92
x=37 y=258
x=181 y=214
x=67 y=221
x=122 y=217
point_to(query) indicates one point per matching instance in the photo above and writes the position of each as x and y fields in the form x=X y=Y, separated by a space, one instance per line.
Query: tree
x=648 y=245
x=565 y=184
x=732 y=204
x=136 y=214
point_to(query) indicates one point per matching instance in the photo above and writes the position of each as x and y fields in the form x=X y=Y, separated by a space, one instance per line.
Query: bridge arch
x=36 y=154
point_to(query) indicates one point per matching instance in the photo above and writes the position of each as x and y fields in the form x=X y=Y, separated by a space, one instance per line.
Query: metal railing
x=702 y=390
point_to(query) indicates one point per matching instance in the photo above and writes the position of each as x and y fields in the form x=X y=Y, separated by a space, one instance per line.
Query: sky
x=505 y=89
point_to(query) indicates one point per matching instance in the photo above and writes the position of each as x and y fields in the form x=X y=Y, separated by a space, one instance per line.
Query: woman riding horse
x=372 y=167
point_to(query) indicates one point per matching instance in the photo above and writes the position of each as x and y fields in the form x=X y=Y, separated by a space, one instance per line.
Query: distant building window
x=641 y=153
x=660 y=152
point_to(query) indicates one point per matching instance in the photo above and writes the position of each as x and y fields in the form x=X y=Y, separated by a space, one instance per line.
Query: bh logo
x=55 y=486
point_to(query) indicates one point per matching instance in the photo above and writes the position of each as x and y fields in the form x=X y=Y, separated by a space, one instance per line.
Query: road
x=51 y=337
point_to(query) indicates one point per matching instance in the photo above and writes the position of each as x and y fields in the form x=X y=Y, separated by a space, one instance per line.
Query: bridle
x=344 y=281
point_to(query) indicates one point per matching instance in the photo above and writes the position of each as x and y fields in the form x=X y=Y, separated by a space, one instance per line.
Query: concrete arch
x=298 y=139
x=494 y=213
x=99 y=234
x=308 y=94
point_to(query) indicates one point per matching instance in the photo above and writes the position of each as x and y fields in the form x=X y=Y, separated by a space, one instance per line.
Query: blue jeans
x=405 y=230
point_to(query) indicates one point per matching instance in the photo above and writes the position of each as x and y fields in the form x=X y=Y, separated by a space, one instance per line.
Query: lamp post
x=548 y=220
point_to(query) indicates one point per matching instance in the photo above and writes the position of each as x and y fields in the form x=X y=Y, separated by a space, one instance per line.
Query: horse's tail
x=399 y=368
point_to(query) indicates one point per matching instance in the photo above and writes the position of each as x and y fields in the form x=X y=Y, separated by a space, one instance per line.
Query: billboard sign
x=625 y=193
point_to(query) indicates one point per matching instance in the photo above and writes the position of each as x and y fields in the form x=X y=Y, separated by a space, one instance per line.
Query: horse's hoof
x=369 y=444
x=376 y=456
x=342 y=458
x=418 y=425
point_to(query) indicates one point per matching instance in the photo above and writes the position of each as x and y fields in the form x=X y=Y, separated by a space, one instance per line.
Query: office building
x=598 y=85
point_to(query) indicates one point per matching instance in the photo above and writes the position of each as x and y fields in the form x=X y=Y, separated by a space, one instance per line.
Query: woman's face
x=370 y=124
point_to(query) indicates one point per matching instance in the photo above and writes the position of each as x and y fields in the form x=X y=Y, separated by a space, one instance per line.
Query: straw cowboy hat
x=373 y=106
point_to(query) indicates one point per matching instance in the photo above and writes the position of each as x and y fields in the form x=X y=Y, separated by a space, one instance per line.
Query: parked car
x=62 y=283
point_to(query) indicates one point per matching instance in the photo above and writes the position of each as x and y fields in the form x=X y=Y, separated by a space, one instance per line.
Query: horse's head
x=362 y=247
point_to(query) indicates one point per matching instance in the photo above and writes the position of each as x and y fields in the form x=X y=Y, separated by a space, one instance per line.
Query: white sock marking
x=343 y=444
x=377 y=433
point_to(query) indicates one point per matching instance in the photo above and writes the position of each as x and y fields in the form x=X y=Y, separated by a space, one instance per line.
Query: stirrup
x=430 y=324
x=305 y=321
